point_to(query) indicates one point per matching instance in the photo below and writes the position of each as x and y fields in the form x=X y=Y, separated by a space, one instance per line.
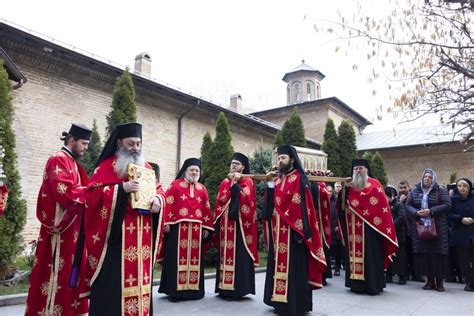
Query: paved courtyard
x=334 y=299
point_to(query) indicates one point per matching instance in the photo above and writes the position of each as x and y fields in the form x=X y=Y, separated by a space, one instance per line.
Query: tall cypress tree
x=220 y=157
x=92 y=154
x=11 y=224
x=347 y=147
x=260 y=163
x=377 y=168
x=279 y=139
x=292 y=132
x=329 y=146
x=206 y=163
x=123 y=108
x=369 y=157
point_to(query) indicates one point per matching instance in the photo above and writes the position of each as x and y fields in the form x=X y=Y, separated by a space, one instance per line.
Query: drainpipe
x=180 y=120
x=18 y=85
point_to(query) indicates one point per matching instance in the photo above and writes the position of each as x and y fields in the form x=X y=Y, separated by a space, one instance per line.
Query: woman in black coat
x=462 y=234
x=429 y=201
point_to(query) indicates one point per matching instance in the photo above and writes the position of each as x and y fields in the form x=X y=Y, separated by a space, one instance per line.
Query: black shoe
x=417 y=278
x=173 y=299
x=337 y=273
x=430 y=285
x=402 y=280
x=389 y=279
x=325 y=283
x=439 y=285
x=451 y=279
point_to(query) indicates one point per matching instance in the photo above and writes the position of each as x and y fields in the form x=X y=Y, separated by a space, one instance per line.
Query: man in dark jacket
x=398 y=265
x=462 y=234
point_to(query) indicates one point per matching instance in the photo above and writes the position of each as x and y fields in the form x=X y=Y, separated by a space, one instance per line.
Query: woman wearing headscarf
x=462 y=234
x=429 y=204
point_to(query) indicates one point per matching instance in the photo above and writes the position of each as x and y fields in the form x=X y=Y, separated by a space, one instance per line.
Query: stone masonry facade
x=409 y=162
x=60 y=91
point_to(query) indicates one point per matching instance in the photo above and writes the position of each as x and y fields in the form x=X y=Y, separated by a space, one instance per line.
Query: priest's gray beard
x=359 y=181
x=125 y=157
x=192 y=179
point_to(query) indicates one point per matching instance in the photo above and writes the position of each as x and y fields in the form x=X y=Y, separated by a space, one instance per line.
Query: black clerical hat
x=129 y=130
x=120 y=132
x=187 y=163
x=80 y=131
x=243 y=160
x=358 y=162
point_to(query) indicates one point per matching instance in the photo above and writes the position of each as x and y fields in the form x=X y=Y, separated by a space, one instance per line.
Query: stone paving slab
x=334 y=299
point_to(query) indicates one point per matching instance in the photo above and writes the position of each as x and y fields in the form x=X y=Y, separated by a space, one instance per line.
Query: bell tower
x=303 y=84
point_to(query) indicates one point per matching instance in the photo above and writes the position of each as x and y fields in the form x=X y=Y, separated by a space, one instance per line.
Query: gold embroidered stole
x=189 y=256
x=228 y=239
x=355 y=232
x=281 y=246
x=137 y=263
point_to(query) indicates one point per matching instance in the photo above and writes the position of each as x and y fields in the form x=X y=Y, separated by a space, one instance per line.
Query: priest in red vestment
x=235 y=221
x=3 y=196
x=121 y=242
x=322 y=205
x=188 y=224
x=60 y=209
x=369 y=231
x=295 y=251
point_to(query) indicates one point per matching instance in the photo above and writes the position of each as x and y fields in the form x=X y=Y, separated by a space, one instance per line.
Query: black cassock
x=374 y=275
x=168 y=283
x=300 y=297
x=244 y=282
x=106 y=296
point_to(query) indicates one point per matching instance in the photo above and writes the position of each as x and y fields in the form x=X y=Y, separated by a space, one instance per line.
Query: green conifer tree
x=347 y=147
x=260 y=163
x=220 y=157
x=123 y=108
x=279 y=139
x=11 y=224
x=92 y=154
x=377 y=169
x=292 y=132
x=329 y=146
x=206 y=163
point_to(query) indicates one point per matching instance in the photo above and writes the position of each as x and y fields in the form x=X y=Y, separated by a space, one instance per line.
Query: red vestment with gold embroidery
x=188 y=210
x=287 y=216
x=227 y=234
x=136 y=244
x=368 y=206
x=60 y=209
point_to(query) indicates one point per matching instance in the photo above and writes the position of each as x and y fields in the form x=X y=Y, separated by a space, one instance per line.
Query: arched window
x=297 y=92
x=308 y=91
x=318 y=91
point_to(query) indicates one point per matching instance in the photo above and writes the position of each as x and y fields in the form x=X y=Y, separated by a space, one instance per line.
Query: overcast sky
x=215 y=48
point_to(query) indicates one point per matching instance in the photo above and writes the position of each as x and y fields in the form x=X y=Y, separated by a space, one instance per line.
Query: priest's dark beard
x=359 y=180
x=125 y=157
x=285 y=169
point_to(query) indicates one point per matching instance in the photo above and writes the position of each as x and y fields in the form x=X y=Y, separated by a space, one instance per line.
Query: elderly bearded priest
x=188 y=224
x=121 y=241
x=368 y=230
